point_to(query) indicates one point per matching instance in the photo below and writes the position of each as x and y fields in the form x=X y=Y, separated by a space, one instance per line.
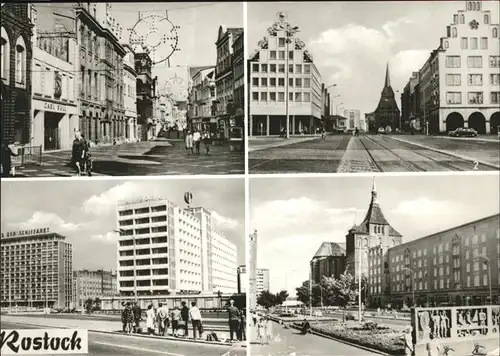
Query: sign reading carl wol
x=44 y=341
x=44 y=230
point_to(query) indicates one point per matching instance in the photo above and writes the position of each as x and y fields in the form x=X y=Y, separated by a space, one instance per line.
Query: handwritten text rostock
x=43 y=341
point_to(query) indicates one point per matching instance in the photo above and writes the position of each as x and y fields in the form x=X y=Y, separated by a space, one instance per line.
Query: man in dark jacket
x=136 y=309
x=6 y=159
x=185 y=318
x=234 y=319
x=78 y=151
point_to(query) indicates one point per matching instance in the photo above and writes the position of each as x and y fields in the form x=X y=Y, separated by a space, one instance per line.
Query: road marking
x=137 y=348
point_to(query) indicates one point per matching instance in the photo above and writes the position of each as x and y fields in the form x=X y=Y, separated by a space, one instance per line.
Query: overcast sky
x=293 y=216
x=351 y=42
x=85 y=211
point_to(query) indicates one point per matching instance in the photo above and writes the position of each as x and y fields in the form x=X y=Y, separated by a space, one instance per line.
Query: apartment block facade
x=93 y=284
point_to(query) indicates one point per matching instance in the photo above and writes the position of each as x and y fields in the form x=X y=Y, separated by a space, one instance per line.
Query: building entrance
x=51 y=131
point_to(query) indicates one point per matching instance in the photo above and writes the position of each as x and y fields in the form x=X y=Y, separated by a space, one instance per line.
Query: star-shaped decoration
x=474 y=24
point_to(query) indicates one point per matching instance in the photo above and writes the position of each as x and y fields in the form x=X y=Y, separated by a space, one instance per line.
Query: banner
x=44 y=341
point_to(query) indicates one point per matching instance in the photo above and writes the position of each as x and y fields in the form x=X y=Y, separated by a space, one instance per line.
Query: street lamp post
x=413 y=284
x=489 y=274
x=359 y=279
x=121 y=231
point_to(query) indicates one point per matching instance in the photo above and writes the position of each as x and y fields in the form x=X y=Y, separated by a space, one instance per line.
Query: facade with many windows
x=36 y=269
x=16 y=36
x=201 y=100
x=129 y=92
x=460 y=83
x=92 y=285
x=283 y=79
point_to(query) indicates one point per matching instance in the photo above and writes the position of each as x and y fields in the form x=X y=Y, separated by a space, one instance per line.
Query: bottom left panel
x=123 y=267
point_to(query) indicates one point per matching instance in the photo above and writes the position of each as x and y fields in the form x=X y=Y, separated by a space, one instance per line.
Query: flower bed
x=379 y=338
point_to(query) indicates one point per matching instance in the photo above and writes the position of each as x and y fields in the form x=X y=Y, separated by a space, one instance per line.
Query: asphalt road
x=374 y=153
x=125 y=345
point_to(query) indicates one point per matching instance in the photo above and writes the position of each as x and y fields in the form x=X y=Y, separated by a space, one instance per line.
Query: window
x=281 y=68
x=475 y=62
x=290 y=55
x=5 y=59
x=281 y=42
x=495 y=32
x=463 y=43
x=298 y=68
x=272 y=82
x=486 y=19
x=290 y=96
x=484 y=43
x=475 y=79
x=20 y=61
x=255 y=67
x=263 y=68
x=462 y=19
x=263 y=96
x=281 y=96
x=495 y=97
x=255 y=82
x=495 y=79
x=281 y=82
x=307 y=82
x=475 y=97
x=485 y=280
x=473 y=43
x=307 y=68
x=468 y=267
x=290 y=68
x=494 y=61
x=255 y=96
x=298 y=82
x=454 y=32
x=272 y=68
x=455 y=19
x=290 y=82
x=281 y=55
x=452 y=61
x=263 y=82
x=476 y=281
x=453 y=79
x=454 y=97
x=298 y=97
x=272 y=55
x=272 y=96
x=307 y=97
x=468 y=281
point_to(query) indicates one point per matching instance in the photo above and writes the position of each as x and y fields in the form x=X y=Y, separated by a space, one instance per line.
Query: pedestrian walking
x=197 y=141
x=323 y=134
x=234 y=320
x=268 y=329
x=195 y=315
x=185 y=318
x=254 y=318
x=127 y=317
x=163 y=319
x=87 y=157
x=150 y=319
x=137 y=311
x=408 y=342
x=206 y=141
x=175 y=316
x=189 y=142
x=261 y=331
x=7 y=153
x=77 y=153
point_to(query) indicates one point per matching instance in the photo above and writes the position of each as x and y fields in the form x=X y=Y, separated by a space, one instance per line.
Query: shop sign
x=26 y=232
x=54 y=107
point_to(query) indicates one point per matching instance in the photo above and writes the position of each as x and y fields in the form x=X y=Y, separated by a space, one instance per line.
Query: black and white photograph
x=423 y=256
x=347 y=87
x=148 y=267
x=117 y=89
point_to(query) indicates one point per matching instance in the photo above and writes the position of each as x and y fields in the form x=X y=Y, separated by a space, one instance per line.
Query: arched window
x=474 y=6
x=5 y=59
x=462 y=18
x=495 y=32
x=454 y=32
x=469 y=6
x=446 y=45
x=486 y=19
x=478 y=5
x=20 y=62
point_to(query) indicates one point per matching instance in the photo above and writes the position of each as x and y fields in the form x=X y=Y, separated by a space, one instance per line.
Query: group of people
x=193 y=141
x=159 y=321
x=81 y=157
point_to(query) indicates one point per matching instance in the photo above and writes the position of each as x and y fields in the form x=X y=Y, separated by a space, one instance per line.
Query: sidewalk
x=495 y=139
x=265 y=142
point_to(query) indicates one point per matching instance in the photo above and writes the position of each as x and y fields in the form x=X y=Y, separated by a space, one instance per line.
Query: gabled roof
x=387 y=101
x=329 y=249
x=194 y=70
x=223 y=30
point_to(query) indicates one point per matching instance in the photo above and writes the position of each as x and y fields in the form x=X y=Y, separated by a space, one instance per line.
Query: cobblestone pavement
x=377 y=153
x=142 y=158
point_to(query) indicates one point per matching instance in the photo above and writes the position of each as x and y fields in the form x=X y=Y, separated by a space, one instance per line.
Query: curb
x=465 y=158
x=345 y=342
x=280 y=144
x=166 y=338
x=479 y=139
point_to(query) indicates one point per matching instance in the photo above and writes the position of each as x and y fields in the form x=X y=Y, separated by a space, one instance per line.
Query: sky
x=293 y=216
x=85 y=211
x=351 y=42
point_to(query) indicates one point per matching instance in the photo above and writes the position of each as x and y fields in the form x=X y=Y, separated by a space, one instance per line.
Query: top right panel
x=373 y=87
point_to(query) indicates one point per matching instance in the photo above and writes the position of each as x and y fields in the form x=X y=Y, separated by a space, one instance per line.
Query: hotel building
x=460 y=82
x=93 y=284
x=172 y=250
x=36 y=269
x=283 y=79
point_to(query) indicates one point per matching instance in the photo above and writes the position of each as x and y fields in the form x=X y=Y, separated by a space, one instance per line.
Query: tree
x=87 y=305
x=97 y=304
x=281 y=297
x=303 y=293
x=343 y=291
x=266 y=299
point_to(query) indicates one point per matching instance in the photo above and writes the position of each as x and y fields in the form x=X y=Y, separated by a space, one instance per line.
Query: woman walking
x=206 y=141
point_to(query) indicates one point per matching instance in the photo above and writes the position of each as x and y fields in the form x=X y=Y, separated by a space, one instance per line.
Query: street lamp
x=359 y=278
x=413 y=283
x=489 y=274
x=121 y=231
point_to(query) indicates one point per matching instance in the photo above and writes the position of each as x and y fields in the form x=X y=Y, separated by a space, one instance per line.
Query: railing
x=27 y=155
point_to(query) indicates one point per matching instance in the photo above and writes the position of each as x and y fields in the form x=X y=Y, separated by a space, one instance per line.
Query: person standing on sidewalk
x=195 y=315
x=234 y=320
x=242 y=326
x=77 y=153
x=150 y=319
x=197 y=141
x=189 y=142
x=206 y=141
x=185 y=318
x=163 y=322
x=6 y=159
x=136 y=309
x=175 y=317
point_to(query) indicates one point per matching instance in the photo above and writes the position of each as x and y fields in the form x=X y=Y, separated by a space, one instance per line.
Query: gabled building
x=236 y=123
x=130 y=99
x=201 y=99
x=145 y=89
x=387 y=111
x=328 y=261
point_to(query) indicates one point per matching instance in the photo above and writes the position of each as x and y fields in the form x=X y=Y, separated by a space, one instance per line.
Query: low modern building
x=92 y=285
x=328 y=261
x=165 y=249
x=36 y=269
x=283 y=80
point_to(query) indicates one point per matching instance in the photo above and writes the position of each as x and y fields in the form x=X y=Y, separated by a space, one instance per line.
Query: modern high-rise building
x=283 y=79
x=165 y=249
x=93 y=284
x=36 y=269
x=261 y=280
x=459 y=84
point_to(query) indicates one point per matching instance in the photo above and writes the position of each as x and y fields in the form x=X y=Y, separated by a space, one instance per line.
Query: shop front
x=54 y=124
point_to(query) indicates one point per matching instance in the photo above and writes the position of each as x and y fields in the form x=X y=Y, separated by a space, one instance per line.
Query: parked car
x=463 y=132
x=381 y=130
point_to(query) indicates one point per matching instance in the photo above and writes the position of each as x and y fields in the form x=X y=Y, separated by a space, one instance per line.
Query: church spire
x=387 y=77
x=374 y=192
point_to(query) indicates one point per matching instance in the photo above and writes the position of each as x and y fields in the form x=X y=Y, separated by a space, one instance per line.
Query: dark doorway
x=51 y=131
x=495 y=123
x=477 y=122
x=454 y=121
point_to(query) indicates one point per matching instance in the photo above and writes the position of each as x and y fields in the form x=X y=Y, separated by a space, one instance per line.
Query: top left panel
x=116 y=89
